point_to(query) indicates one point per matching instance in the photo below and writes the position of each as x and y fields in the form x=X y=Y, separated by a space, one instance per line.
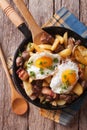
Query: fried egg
x=65 y=78
x=43 y=64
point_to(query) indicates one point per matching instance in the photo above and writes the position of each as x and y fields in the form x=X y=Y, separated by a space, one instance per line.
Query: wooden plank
x=37 y=122
x=83 y=117
x=41 y=10
x=1 y=77
x=72 y=5
x=83 y=112
x=58 y=4
x=83 y=11
x=69 y=4
x=11 y=39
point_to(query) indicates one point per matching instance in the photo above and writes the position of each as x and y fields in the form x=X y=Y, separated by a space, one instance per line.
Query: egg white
x=56 y=81
x=46 y=71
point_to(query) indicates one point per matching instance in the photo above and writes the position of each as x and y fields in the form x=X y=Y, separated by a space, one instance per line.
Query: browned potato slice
x=66 y=52
x=45 y=84
x=65 y=37
x=81 y=54
x=55 y=44
x=61 y=39
x=54 y=103
x=45 y=46
x=61 y=102
x=28 y=88
x=78 y=89
x=30 y=47
x=48 y=79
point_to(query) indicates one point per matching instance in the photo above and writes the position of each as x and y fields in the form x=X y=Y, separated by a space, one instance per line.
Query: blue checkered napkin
x=66 y=19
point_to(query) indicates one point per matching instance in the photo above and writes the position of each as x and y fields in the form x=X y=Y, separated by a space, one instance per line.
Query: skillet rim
x=16 y=79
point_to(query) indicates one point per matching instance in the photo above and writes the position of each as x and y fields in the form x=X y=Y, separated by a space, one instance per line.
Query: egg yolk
x=43 y=62
x=69 y=77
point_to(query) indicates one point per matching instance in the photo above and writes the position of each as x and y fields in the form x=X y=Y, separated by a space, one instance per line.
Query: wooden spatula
x=39 y=36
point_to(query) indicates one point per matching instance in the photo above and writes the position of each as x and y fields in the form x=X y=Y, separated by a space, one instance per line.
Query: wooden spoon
x=39 y=36
x=19 y=105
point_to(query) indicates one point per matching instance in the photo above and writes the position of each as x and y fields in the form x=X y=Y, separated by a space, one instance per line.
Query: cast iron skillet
x=53 y=31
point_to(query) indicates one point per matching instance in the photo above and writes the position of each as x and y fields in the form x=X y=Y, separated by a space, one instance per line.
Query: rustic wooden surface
x=10 y=38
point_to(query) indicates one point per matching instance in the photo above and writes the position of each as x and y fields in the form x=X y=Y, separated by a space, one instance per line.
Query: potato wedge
x=61 y=39
x=78 y=89
x=45 y=84
x=30 y=47
x=28 y=88
x=48 y=79
x=45 y=46
x=65 y=37
x=54 y=103
x=55 y=44
x=66 y=52
x=61 y=102
x=37 y=48
x=80 y=54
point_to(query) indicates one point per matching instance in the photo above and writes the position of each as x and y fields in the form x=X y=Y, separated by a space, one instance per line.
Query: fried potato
x=54 y=103
x=78 y=89
x=28 y=88
x=45 y=46
x=80 y=54
x=30 y=47
x=37 y=48
x=48 y=79
x=66 y=52
x=61 y=39
x=61 y=102
x=65 y=37
x=55 y=44
x=45 y=84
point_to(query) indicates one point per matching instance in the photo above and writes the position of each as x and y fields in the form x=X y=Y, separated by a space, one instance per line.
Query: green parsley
x=32 y=74
x=41 y=71
x=65 y=76
x=40 y=63
x=29 y=44
x=55 y=60
x=51 y=67
x=64 y=86
x=20 y=53
x=72 y=71
x=83 y=66
x=31 y=62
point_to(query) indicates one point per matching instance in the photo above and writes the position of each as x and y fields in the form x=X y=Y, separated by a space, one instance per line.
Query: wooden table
x=10 y=38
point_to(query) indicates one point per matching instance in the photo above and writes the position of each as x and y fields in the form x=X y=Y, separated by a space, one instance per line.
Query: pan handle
x=14 y=17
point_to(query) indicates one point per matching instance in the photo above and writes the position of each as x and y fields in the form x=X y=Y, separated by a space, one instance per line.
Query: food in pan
x=53 y=73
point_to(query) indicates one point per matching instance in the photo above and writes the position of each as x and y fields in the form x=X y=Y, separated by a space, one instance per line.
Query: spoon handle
x=14 y=17
x=35 y=29
x=6 y=70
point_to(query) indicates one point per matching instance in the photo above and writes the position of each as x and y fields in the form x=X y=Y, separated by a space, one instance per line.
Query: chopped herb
x=32 y=74
x=47 y=72
x=20 y=53
x=40 y=63
x=41 y=71
x=29 y=44
x=31 y=62
x=65 y=76
x=64 y=86
x=72 y=71
x=51 y=67
x=83 y=66
x=44 y=62
x=55 y=60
